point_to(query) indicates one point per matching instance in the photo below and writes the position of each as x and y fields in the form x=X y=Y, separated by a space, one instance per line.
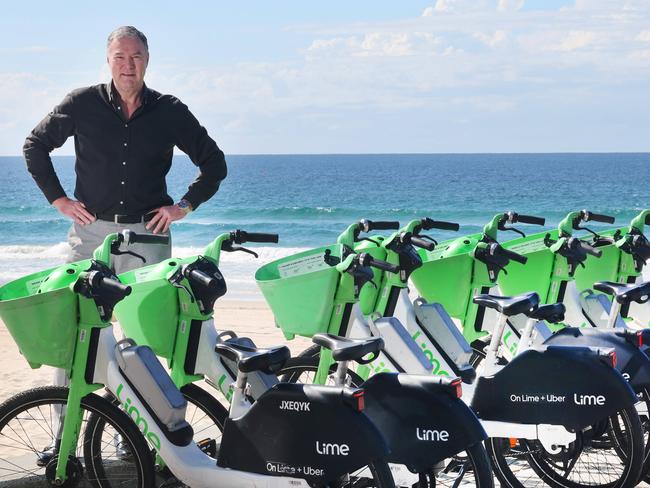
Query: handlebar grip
x=148 y=238
x=428 y=224
x=383 y=225
x=601 y=218
x=113 y=287
x=383 y=265
x=530 y=219
x=418 y=242
x=590 y=249
x=513 y=256
x=261 y=237
x=647 y=219
x=202 y=278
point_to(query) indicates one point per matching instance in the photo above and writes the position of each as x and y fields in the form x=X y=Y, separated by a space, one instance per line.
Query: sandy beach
x=247 y=318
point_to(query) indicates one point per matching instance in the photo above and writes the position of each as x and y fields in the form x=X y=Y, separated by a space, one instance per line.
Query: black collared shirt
x=121 y=164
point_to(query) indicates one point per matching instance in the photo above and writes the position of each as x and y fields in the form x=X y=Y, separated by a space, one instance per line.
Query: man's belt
x=125 y=219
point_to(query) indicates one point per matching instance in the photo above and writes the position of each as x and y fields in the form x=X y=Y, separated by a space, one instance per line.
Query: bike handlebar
x=112 y=287
x=419 y=242
x=590 y=249
x=530 y=219
x=147 y=238
x=258 y=237
x=203 y=278
x=590 y=216
x=370 y=225
x=428 y=224
x=512 y=255
x=368 y=260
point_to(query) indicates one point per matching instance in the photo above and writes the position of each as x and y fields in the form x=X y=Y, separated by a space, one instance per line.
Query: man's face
x=128 y=59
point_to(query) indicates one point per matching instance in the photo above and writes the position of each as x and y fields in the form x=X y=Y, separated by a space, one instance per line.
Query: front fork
x=71 y=414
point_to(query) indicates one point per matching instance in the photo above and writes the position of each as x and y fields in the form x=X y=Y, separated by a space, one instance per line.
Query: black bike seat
x=509 y=305
x=553 y=313
x=250 y=359
x=635 y=292
x=345 y=349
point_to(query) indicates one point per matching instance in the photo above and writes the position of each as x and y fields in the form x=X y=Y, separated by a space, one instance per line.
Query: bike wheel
x=29 y=423
x=207 y=416
x=469 y=468
x=608 y=456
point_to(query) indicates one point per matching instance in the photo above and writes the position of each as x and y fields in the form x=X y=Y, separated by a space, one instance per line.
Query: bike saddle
x=625 y=293
x=251 y=359
x=525 y=303
x=345 y=349
x=553 y=313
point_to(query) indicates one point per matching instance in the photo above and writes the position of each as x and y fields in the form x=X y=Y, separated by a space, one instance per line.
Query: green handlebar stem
x=565 y=227
x=103 y=251
x=346 y=238
x=558 y=245
x=213 y=250
x=344 y=265
x=639 y=221
x=491 y=229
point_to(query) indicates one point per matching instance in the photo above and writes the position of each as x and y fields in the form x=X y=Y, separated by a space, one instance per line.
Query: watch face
x=184 y=205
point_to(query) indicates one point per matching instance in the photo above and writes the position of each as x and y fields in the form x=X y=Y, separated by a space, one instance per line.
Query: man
x=124 y=135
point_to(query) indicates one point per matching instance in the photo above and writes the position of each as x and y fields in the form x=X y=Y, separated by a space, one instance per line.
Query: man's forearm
x=39 y=165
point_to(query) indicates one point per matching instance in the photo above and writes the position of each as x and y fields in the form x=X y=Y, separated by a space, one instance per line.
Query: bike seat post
x=491 y=363
x=614 y=311
x=526 y=336
x=239 y=403
x=341 y=373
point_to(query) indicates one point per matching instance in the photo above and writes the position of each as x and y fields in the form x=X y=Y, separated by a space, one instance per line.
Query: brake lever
x=428 y=238
x=117 y=252
x=329 y=259
x=229 y=247
x=548 y=242
x=368 y=239
x=512 y=229
x=176 y=279
x=588 y=230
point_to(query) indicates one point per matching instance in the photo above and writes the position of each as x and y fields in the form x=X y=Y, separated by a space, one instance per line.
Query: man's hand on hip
x=163 y=218
x=74 y=209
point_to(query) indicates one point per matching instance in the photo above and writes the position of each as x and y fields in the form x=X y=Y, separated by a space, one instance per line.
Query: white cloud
x=572 y=41
x=509 y=5
x=498 y=37
x=643 y=36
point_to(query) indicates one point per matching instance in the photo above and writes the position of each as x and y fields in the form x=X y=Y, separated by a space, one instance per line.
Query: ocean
x=309 y=199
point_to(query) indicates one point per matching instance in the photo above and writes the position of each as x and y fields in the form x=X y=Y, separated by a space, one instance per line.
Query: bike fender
x=302 y=431
x=632 y=362
x=559 y=385
x=421 y=417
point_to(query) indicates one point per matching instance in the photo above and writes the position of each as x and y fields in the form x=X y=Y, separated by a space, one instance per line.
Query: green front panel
x=596 y=269
x=446 y=281
x=300 y=291
x=40 y=312
x=149 y=315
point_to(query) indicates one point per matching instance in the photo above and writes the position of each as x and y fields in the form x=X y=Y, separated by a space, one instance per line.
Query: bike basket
x=40 y=312
x=300 y=290
x=149 y=315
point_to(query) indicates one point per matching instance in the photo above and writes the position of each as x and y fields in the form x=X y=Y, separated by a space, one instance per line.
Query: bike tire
x=30 y=419
x=537 y=470
x=475 y=456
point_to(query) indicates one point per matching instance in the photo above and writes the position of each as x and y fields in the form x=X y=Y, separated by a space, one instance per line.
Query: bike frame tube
x=188 y=463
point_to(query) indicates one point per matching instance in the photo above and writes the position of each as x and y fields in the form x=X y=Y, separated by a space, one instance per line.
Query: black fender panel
x=560 y=385
x=421 y=417
x=302 y=431
x=631 y=361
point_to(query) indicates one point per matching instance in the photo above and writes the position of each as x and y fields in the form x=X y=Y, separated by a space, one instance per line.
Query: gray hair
x=127 y=31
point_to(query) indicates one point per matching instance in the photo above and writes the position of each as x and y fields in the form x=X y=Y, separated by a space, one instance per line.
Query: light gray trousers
x=84 y=239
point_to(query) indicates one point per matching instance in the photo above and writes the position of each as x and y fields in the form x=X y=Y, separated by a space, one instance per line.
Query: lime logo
x=226 y=391
x=332 y=449
x=512 y=347
x=435 y=362
x=134 y=413
x=589 y=400
x=380 y=368
x=432 y=435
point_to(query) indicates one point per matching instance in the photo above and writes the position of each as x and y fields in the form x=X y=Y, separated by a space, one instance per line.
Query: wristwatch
x=184 y=205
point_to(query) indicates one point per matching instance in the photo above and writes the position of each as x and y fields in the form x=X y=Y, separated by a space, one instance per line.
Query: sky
x=380 y=76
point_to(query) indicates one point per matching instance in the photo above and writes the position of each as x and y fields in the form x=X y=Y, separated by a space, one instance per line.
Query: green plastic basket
x=40 y=311
x=300 y=290
x=149 y=315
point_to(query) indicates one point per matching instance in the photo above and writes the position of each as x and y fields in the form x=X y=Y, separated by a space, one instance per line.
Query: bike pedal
x=208 y=446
